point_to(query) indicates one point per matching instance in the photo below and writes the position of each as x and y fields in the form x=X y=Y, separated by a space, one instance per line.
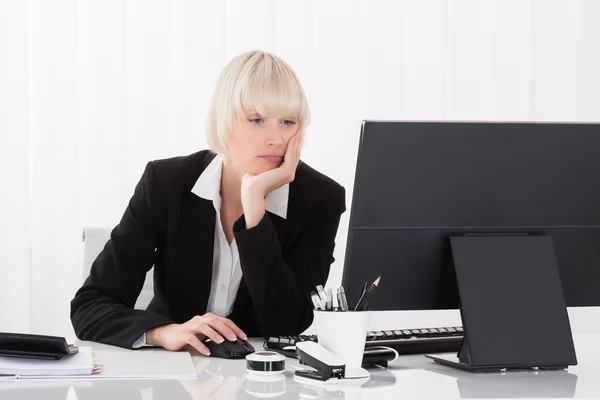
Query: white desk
x=409 y=377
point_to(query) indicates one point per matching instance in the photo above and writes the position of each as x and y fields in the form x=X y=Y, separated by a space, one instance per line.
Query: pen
x=363 y=303
x=315 y=300
x=361 y=294
x=322 y=294
x=362 y=290
x=341 y=296
x=329 y=302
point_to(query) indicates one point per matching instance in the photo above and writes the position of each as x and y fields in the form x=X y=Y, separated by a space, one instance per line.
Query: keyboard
x=404 y=341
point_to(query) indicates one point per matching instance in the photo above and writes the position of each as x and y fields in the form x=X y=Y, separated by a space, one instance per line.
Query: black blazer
x=168 y=226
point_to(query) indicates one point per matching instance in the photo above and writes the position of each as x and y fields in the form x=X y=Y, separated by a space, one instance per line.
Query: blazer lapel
x=198 y=235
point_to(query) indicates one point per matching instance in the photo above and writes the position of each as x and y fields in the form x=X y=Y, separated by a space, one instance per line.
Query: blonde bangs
x=254 y=82
x=271 y=89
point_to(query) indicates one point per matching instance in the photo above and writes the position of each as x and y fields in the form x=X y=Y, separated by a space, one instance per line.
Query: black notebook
x=511 y=303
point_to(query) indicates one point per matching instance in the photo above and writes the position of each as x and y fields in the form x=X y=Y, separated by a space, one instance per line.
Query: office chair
x=94 y=239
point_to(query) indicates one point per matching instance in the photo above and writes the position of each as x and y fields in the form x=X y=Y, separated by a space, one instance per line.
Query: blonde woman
x=239 y=236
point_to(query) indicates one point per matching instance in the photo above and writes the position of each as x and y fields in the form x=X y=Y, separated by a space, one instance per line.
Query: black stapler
x=328 y=367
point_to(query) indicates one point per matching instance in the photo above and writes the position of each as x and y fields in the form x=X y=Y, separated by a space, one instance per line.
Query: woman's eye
x=255 y=120
x=289 y=122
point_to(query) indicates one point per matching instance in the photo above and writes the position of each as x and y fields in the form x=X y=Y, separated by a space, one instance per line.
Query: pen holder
x=344 y=333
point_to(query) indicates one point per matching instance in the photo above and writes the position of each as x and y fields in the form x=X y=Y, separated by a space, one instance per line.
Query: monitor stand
x=511 y=303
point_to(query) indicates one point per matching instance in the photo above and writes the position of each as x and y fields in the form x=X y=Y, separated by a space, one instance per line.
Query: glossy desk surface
x=409 y=377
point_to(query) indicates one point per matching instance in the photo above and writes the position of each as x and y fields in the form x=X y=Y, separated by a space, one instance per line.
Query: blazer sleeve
x=102 y=309
x=280 y=287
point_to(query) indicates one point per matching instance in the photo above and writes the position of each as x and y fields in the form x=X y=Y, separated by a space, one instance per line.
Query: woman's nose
x=274 y=136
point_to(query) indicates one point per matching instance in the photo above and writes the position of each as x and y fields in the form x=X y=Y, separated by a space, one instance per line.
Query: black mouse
x=237 y=349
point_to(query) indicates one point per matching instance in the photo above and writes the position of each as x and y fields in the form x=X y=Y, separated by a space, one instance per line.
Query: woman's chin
x=259 y=169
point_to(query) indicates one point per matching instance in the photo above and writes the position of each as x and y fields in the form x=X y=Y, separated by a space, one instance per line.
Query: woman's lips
x=272 y=158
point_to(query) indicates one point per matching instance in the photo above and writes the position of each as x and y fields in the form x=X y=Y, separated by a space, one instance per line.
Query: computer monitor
x=419 y=183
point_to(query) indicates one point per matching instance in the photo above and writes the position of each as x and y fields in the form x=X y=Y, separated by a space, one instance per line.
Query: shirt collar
x=208 y=186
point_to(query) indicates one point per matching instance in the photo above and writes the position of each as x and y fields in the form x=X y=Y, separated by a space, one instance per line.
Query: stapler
x=328 y=367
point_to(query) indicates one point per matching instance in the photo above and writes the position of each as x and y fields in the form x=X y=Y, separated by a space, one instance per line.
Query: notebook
x=78 y=364
x=125 y=364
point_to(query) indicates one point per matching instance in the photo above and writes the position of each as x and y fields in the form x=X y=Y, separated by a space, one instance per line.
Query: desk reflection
x=511 y=384
x=216 y=379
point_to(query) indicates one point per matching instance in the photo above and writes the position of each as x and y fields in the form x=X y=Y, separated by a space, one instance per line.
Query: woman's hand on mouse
x=256 y=187
x=174 y=337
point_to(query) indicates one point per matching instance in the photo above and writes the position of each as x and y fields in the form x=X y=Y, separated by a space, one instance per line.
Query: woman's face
x=257 y=143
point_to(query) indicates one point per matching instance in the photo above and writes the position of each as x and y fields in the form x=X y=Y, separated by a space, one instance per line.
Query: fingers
x=217 y=327
x=289 y=150
x=294 y=159
x=214 y=322
x=239 y=333
x=223 y=329
x=210 y=333
x=299 y=142
x=292 y=153
x=297 y=146
x=193 y=341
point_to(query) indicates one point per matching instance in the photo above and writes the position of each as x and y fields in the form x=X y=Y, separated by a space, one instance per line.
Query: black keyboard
x=404 y=341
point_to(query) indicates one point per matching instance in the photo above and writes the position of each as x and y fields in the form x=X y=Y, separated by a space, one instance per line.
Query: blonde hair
x=259 y=82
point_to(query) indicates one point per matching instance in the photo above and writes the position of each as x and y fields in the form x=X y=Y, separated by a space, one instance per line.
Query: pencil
x=363 y=303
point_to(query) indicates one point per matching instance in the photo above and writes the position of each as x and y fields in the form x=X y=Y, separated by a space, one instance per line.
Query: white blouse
x=226 y=268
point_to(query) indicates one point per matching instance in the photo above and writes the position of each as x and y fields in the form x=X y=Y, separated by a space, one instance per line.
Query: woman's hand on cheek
x=256 y=187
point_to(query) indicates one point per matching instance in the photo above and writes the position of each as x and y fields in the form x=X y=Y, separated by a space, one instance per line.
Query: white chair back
x=94 y=239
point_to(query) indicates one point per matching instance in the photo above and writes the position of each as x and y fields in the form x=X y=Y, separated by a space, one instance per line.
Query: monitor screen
x=419 y=183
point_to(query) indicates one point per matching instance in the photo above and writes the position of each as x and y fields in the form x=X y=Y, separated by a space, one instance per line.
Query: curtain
x=92 y=90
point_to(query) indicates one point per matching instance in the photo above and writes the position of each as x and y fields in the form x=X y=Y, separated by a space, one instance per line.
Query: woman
x=239 y=236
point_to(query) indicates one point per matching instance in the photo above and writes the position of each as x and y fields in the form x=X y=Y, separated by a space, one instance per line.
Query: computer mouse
x=236 y=349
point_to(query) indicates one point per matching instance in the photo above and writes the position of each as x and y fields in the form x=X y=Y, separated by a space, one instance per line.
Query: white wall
x=90 y=91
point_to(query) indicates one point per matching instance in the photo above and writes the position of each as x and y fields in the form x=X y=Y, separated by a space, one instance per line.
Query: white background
x=92 y=90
